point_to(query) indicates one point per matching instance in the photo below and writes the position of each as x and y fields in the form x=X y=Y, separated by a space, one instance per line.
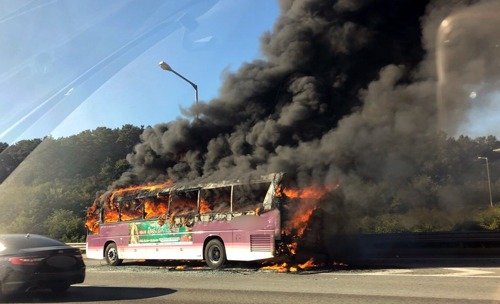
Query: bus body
x=215 y=222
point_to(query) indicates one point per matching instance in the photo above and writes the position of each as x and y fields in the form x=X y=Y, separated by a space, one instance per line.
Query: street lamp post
x=167 y=67
x=489 y=181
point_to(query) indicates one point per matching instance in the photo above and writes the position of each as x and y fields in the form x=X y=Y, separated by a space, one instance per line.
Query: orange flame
x=155 y=208
x=277 y=267
x=310 y=263
x=300 y=222
x=183 y=207
x=285 y=267
x=292 y=247
x=130 y=211
x=204 y=208
x=311 y=192
x=137 y=188
x=112 y=211
x=308 y=198
x=92 y=218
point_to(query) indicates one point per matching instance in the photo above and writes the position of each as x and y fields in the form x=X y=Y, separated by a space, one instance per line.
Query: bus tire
x=111 y=255
x=215 y=254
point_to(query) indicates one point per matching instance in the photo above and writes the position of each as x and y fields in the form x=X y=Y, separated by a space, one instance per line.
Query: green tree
x=12 y=156
x=64 y=225
x=3 y=146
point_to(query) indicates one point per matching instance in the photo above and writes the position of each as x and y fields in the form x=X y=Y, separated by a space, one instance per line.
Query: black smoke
x=318 y=58
x=346 y=94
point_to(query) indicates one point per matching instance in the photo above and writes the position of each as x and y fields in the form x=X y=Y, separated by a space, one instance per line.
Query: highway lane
x=156 y=283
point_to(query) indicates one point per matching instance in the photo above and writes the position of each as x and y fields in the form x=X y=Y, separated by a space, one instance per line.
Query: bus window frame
x=267 y=201
x=228 y=203
x=129 y=200
x=156 y=197
x=175 y=193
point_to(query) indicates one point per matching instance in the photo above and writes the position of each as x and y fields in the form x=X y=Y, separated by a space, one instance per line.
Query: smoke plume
x=346 y=94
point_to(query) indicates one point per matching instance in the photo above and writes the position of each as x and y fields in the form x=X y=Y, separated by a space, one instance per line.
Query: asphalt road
x=165 y=283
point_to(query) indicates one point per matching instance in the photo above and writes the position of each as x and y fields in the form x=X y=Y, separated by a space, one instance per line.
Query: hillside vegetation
x=47 y=184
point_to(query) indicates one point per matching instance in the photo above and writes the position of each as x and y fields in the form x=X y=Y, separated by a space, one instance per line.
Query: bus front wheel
x=215 y=254
x=111 y=254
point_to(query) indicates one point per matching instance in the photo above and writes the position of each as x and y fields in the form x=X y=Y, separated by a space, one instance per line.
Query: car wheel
x=111 y=254
x=215 y=254
x=59 y=288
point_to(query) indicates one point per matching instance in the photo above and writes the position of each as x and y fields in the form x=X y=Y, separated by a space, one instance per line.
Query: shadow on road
x=89 y=294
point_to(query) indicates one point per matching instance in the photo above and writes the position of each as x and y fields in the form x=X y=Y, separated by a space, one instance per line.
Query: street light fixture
x=165 y=66
x=488 y=173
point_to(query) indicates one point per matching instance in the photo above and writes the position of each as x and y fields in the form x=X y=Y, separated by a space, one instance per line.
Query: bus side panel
x=95 y=247
x=250 y=237
x=117 y=233
x=251 y=245
x=162 y=252
x=254 y=237
x=245 y=237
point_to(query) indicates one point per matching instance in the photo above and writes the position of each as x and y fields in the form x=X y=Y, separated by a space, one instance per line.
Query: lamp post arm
x=187 y=80
x=165 y=66
x=195 y=87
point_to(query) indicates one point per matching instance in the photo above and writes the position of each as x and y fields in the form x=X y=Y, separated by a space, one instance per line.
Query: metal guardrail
x=81 y=246
x=450 y=245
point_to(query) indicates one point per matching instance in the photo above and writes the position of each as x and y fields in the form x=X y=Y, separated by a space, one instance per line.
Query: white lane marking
x=391 y=271
x=466 y=272
x=83 y=285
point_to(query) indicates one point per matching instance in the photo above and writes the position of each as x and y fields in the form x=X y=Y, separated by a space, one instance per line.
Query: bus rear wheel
x=111 y=255
x=215 y=254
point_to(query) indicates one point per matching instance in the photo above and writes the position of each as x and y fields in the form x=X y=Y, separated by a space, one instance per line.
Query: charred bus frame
x=235 y=220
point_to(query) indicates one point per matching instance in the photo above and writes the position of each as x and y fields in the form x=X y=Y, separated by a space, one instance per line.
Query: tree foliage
x=12 y=156
x=48 y=184
x=65 y=225
x=55 y=180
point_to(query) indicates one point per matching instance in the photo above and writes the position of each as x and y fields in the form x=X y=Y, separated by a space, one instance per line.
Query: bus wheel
x=111 y=254
x=215 y=254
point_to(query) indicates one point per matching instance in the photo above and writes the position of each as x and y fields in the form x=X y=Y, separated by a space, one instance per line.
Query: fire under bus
x=232 y=220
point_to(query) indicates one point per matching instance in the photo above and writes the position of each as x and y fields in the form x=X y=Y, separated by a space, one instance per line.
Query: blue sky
x=69 y=66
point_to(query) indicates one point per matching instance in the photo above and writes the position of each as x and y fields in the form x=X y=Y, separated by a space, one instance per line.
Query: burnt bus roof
x=273 y=177
x=193 y=186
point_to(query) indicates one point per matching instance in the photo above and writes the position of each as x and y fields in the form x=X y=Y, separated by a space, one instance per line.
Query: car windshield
x=381 y=119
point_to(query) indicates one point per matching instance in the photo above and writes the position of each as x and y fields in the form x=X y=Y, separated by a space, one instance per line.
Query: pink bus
x=231 y=220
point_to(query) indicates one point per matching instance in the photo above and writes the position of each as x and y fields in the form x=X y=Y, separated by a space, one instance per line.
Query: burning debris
x=310 y=264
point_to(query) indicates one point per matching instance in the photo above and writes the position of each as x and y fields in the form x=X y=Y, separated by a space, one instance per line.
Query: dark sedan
x=29 y=261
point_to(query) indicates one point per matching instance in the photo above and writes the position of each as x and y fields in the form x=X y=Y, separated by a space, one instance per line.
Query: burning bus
x=237 y=220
